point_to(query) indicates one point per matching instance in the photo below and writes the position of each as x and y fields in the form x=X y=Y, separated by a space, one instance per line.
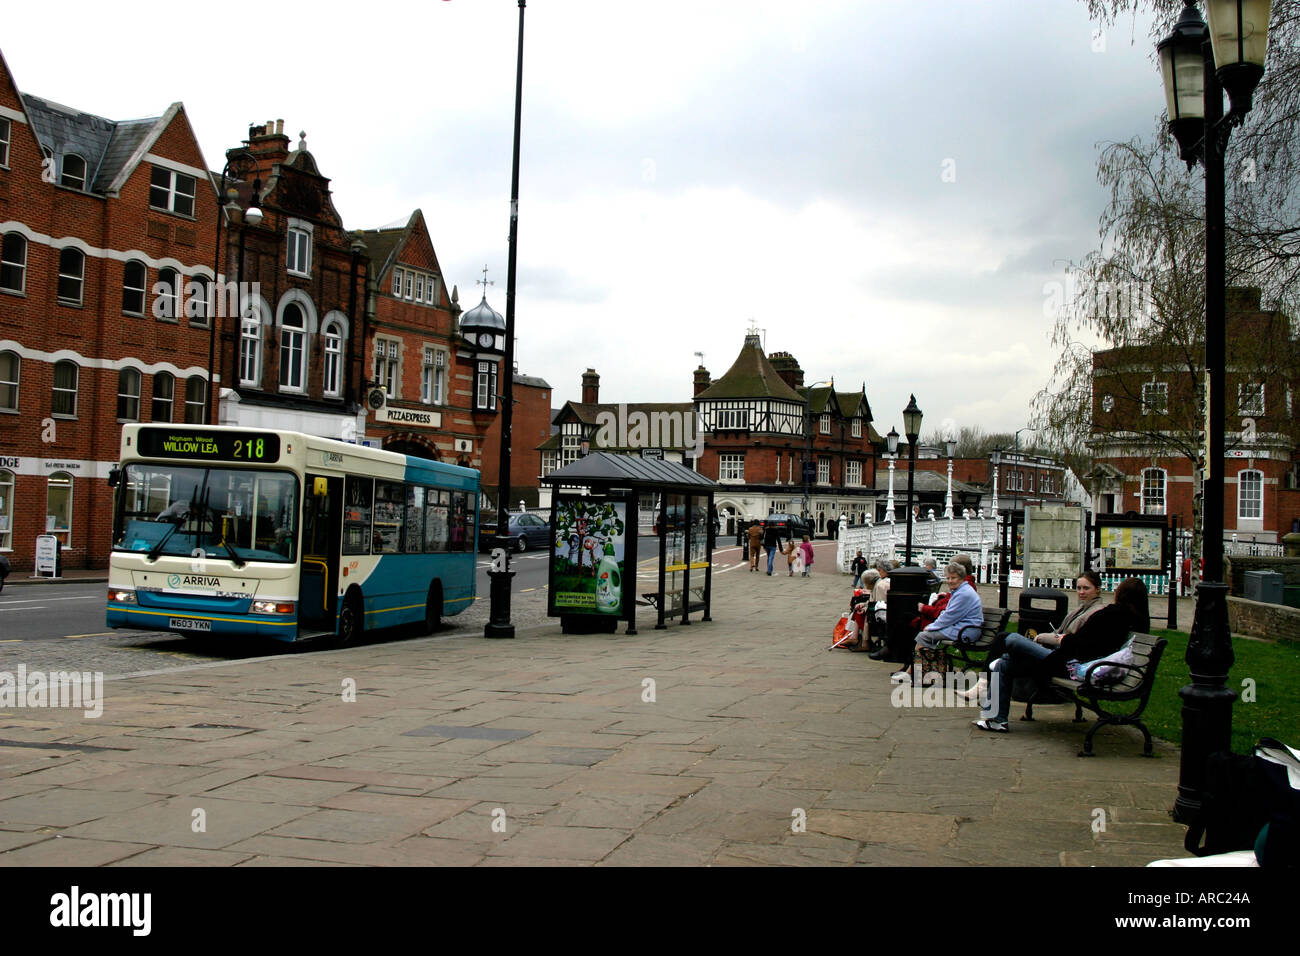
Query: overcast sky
x=883 y=188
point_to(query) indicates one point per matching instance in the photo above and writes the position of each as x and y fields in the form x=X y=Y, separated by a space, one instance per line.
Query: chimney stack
x=590 y=387
x=702 y=380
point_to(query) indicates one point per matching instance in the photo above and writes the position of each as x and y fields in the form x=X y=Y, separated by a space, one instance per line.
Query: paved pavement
x=740 y=741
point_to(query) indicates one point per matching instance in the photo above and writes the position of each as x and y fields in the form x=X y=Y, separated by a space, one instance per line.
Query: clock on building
x=485 y=339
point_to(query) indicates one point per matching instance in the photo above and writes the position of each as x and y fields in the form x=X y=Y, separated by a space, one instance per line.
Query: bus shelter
x=608 y=513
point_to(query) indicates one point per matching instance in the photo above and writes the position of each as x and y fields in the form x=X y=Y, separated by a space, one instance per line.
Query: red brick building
x=108 y=232
x=1148 y=426
x=761 y=424
x=531 y=426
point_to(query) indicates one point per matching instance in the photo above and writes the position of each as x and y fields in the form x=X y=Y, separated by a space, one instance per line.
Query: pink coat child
x=807 y=549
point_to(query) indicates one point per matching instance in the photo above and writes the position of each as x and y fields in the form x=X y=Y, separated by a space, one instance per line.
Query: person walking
x=771 y=541
x=807 y=549
x=755 y=542
x=857 y=566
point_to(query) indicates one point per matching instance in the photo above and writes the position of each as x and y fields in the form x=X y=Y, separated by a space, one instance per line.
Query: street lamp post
x=912 y=426
x=1235 y=43
x=891 y=443
x=950 y=447
x=239 y=162
x=500 y=575
x=1000 y=525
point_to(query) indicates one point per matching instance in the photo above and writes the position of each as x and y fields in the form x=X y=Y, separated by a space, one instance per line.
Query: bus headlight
x=272 y=607
x=119 y=596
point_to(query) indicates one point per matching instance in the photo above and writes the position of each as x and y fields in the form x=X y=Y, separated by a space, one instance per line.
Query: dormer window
x=73 y=174
x=171 y=191
x=824 y=424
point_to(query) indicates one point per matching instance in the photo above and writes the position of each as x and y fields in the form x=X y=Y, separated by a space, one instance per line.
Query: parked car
x=527 y=530
x=792 y=525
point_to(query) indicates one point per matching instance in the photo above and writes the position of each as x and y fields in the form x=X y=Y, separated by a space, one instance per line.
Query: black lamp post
x=1235 y=41
x=498 y=624
x=239 y=162
x=912 y=426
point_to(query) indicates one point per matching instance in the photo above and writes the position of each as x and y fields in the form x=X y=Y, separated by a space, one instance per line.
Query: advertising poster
x=1132 y=549
x=588 y=556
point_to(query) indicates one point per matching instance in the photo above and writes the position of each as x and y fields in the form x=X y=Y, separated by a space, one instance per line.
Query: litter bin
x=1047 y=614
x=909 y=588
x=1263 y=586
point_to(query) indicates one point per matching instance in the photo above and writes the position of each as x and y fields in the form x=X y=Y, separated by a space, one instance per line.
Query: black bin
x=1042 y=609
x=909 y=588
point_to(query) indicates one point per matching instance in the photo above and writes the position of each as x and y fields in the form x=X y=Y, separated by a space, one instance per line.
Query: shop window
x=58 y=507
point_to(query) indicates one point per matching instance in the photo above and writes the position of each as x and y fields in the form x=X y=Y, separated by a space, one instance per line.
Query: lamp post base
x=498 y=624
x=1207 y=701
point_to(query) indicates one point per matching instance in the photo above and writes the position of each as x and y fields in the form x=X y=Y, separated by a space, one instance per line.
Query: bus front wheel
x=433 y=609
x=351 y=621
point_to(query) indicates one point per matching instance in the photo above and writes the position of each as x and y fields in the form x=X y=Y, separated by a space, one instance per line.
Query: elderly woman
x=1104 y=632
x=964 y=609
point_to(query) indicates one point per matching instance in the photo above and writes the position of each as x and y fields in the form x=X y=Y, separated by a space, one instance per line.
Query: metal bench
x=979 y=638
x=1135 y=685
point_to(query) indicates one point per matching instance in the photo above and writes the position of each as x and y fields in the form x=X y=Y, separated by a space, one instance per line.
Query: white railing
x=932 y=536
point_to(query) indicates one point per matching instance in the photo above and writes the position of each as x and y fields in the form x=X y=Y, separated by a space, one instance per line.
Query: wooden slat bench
x=978 y=638
x=1135 y=685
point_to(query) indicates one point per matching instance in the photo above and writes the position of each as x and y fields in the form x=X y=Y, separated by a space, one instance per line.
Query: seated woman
x=1104 y=632
x=1088 y=590
x=962 y=610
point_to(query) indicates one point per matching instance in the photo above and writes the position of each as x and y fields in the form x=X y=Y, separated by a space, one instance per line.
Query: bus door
x=322 y=524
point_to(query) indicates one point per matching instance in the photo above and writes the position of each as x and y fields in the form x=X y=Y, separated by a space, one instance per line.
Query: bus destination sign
x=206 y=445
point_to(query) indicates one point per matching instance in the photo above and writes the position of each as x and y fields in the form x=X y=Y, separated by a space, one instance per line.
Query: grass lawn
x=1274 y=669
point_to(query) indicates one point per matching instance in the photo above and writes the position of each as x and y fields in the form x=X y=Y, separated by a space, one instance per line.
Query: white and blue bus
x=255 y=533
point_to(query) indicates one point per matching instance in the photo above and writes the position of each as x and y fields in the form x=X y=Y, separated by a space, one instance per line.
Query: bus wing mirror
x=320 y=487
x=114 y=477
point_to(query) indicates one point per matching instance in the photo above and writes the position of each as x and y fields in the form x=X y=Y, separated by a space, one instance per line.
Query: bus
x=247 y=532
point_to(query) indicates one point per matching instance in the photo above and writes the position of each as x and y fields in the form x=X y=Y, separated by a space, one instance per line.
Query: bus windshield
x=232 y=513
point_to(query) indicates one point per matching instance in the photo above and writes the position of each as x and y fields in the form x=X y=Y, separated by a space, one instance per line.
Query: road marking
x=39 y=607
x=84 y=597
x=73 y=637
x=12 y=641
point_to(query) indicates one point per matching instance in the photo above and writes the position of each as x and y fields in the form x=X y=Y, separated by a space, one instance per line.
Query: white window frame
x=1154 y=495
x=410 y=284
x=127 y=379
x=6 y=134
x=731 y=467
x=293 y=338
x=141 y=290
x=419 y=287
x=485 y=387
x=433 y=377
x=250 y=348
x=196 y=408
x=63 y=172
x=853 y=473
x=56 y=390
x=157 y=400
x=8 y=482
x=388 y=364
x=298 y=242
x=823 y=470
x=397 y=283
x=15 y=382
x=1250 y=398
x=177 y=198
x=857 y=428
x=60 y=479
x=1155 y=398
x=431 y=290
x=1257 y=497
x=79 y=277
x=332 y=349
x=824 y=423
x=21 y=266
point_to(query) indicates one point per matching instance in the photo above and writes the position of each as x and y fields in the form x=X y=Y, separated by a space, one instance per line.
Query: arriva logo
x=192 y=580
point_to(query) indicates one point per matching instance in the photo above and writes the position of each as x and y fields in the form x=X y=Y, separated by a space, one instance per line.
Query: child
x=806 y=549
x=792 y=556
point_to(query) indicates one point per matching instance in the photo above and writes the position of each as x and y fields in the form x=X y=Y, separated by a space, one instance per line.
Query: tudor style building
x=761 y=424
x=107 y=231
x=1147 y=425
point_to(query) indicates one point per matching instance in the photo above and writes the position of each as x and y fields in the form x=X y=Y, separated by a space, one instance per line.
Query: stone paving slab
x=759 y=748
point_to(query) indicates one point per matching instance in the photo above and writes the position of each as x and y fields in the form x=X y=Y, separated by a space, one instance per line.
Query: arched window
x=65 y=389
x=13 y=262
x=73 y=174
x=10 y=369
x=58 y=506
x=135 y=277
x=165 y=292
x=164 y=395
x=250 y=348
x=197 y=301
x=128 y=395
x=6 y=510
x=1153 y=491
x=196 y=396
x=1250 y=495
x=333 y=339
x=72 y=274
x=293 y=349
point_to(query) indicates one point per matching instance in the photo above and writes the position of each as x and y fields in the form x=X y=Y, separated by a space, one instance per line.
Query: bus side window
x=414 y=519
x=436 y=521
x=458 y=528
x=357 y=497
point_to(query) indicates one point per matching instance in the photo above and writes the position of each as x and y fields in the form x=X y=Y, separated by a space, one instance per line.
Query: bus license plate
x=186 y=624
